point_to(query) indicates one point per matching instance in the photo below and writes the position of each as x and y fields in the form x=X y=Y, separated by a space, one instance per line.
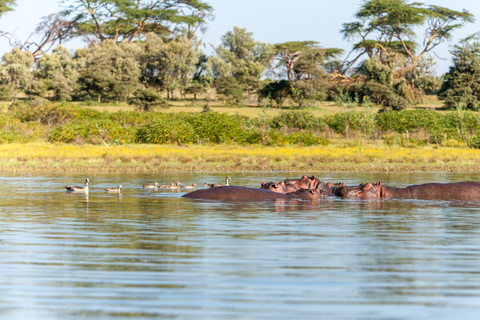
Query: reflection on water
x=150 y=253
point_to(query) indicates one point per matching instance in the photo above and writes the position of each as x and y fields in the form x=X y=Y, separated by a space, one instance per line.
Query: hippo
x=466 y=190
x=238 y=193
x=292 y=185
x=279 y=187
x=304 y=182
x=367 y=190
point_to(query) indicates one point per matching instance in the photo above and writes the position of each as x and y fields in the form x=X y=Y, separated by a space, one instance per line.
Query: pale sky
x=271 y=21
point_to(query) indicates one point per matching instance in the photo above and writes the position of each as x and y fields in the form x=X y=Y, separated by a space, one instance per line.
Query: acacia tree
x=127 y=20
x=386 y=29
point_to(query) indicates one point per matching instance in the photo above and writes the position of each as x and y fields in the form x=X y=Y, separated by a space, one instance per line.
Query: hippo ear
x=262 y=184
x=303 y=178
x=379 y=183
x=277 y=185
x=283 y=184
x=341 y=184
x=383 y=192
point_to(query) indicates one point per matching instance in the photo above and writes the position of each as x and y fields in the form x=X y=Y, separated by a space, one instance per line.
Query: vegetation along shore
x=48 y=157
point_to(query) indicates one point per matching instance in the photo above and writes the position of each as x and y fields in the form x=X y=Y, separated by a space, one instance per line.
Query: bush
x=55 y=114
x=90 y=131
x=306 y=139
x=297 y=120
x=164 y=129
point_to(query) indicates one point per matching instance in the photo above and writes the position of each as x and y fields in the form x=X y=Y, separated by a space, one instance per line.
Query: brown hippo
x=238 y=193
x=275 y=187
x=290 y=185
x=368 y=190
x=466 y=190
x=304 y=182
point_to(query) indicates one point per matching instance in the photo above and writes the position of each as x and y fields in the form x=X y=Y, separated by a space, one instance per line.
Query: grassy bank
x=45 y=157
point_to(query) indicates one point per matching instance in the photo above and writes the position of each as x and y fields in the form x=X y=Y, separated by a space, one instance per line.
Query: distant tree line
x=148 y=52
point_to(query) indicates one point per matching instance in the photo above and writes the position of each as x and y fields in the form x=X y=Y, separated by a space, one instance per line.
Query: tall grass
x=43 y=157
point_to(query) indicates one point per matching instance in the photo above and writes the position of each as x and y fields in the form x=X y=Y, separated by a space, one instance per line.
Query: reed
x=46 y=157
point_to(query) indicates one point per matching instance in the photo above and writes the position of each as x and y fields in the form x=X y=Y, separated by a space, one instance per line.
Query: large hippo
x=465 y=190
x=238 y=193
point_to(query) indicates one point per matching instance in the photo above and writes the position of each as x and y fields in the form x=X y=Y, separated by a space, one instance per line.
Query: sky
x=270 y=21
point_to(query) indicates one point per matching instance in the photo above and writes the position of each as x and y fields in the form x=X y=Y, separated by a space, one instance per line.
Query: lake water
x=152 y=254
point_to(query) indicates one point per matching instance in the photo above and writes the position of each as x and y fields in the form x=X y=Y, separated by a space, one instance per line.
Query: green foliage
x=214 y=127
x=128 y=20
x=462 y=81
x=55 y=113
x=298 y=120
x=377 y=72
x=277 y=91
x=12 y=130
x=169 y=64
x=147 y=99
x=89 y=131
x=15 y=72
x=306 y=139
x=109 y=71
x=58 y=72
x=165 y=129
x=240 y=57
x=230 y=88
x=391 y=22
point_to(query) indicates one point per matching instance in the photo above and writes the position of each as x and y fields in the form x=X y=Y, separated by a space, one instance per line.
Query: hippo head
x=274 y=186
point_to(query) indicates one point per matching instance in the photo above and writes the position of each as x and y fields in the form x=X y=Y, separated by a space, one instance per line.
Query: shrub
x=165 y=129
x=297 y=120
x=90 y=131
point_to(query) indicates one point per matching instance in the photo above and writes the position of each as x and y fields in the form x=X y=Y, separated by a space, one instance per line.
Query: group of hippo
x=307 y=188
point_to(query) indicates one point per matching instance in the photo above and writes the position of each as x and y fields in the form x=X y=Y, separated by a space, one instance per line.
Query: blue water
x=151 y=254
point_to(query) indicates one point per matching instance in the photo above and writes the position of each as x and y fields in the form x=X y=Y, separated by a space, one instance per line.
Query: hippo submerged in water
x=237 y=193
x=466 y=190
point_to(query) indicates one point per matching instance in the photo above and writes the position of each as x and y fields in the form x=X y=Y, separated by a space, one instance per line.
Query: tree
x=146 y=99
x=127 y=20
x=386 y=27
x=241 y=57
x=16 y=71
x=169 y=63
x=59 y=73
x=109 y=70
x=304 y=59
x=461 y=86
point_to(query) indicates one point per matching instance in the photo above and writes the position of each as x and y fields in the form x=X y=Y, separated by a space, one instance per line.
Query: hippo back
x=460 y=190
x=235 y=193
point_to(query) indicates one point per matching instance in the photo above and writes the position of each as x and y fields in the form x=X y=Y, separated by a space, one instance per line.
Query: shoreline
x=49 y=157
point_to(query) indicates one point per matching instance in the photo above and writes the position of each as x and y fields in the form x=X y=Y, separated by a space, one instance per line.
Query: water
x=152 y=254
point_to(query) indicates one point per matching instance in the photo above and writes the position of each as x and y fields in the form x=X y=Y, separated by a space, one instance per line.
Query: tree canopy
x=386 y=28
x=127 y=20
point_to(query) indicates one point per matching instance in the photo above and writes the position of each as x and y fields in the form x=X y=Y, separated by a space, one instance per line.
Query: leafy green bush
x=164 y=129
x=214 y=127
x=12 y=130
x=90 y=131
x=55 y=114
x=297 y=120
x=306 y=139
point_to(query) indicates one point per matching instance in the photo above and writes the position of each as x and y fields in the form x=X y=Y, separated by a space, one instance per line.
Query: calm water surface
x=152 y=254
